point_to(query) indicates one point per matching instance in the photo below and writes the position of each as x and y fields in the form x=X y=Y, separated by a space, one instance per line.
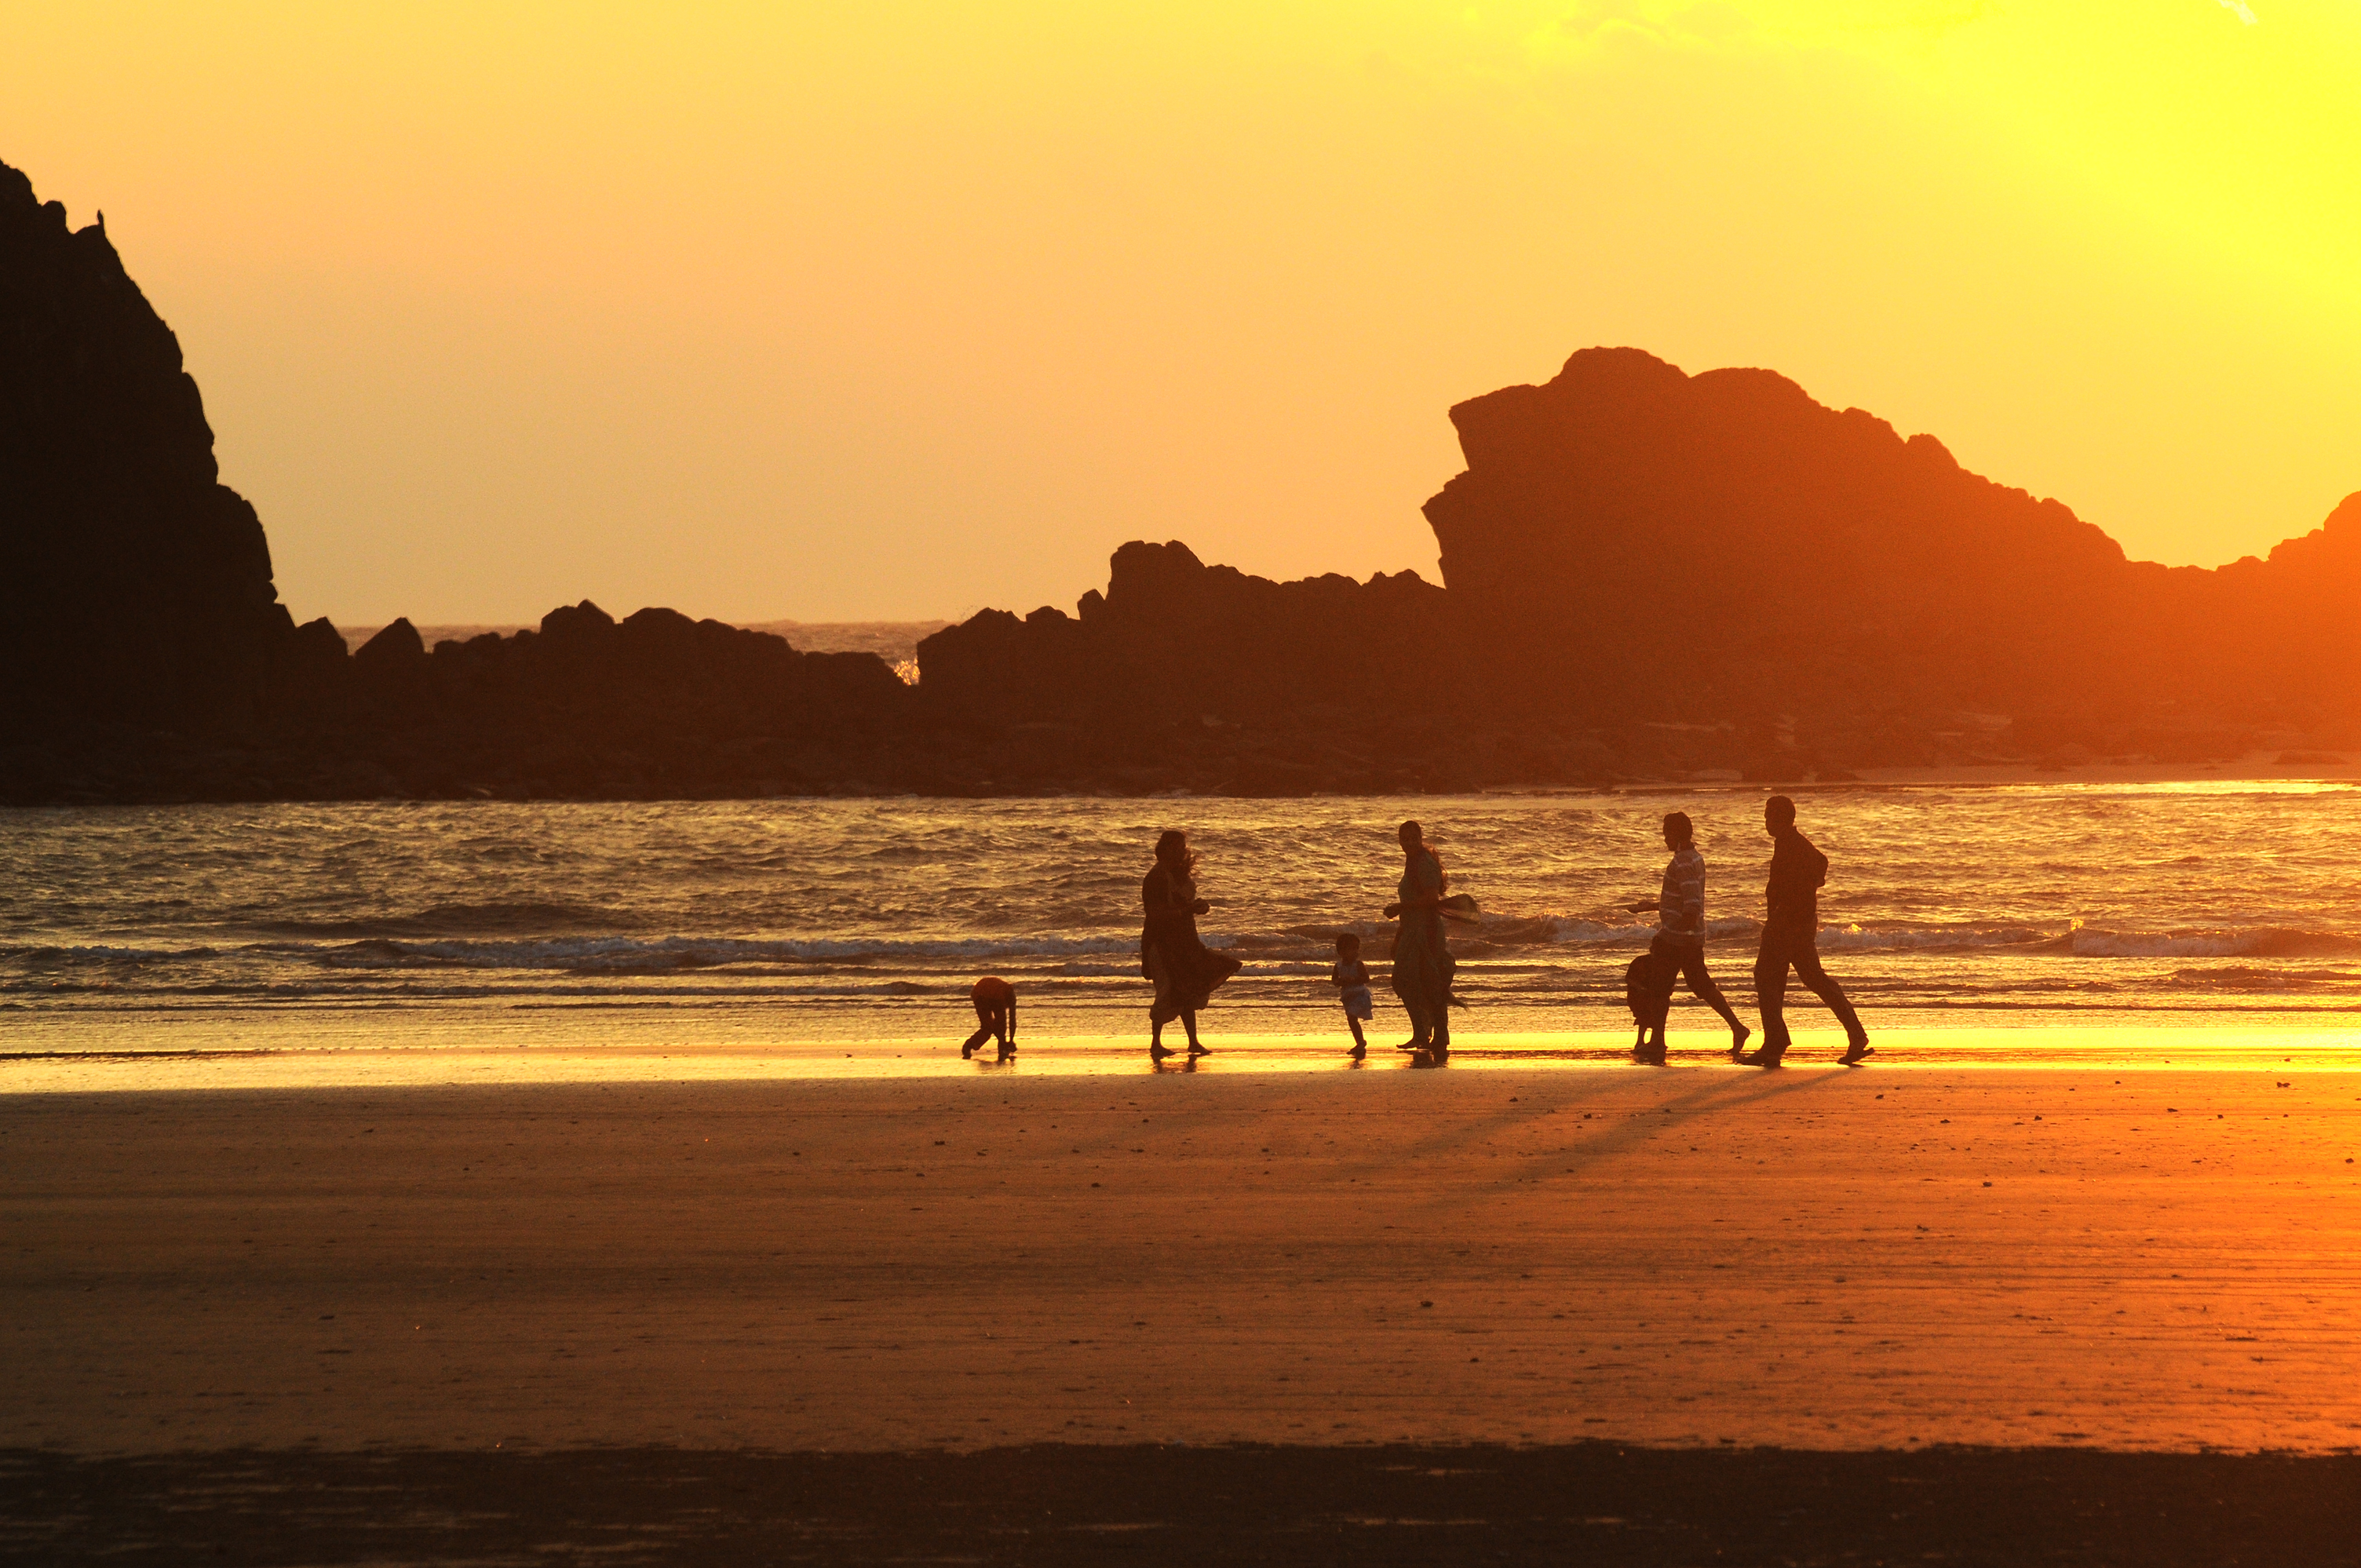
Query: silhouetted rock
x=397 y=649
x=1651 y=576
x=134 y=587
x=1719 y=546
x=1173 y=639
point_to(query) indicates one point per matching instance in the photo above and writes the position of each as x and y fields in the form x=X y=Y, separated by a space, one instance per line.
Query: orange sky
x=902 y=309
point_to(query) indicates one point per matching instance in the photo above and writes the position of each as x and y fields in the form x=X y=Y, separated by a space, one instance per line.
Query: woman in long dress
x=1422 y=963
x=1184 y=969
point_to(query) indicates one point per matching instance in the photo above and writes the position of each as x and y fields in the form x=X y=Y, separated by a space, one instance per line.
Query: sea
x=2134 y=923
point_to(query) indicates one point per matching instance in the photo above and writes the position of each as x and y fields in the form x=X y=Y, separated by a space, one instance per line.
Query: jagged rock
x=395 y=650
x=1173 y=640
x=1637 y=539
x=133 y=585
x=1651 y=575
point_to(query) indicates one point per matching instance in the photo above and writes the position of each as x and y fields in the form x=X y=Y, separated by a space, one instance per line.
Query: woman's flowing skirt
x=1185 y=973
x=1422 y=975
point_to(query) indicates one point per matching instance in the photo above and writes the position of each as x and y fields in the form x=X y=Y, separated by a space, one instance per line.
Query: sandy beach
x=1813 y=1258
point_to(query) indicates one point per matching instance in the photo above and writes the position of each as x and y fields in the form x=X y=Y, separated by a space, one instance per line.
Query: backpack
x=1647 y=988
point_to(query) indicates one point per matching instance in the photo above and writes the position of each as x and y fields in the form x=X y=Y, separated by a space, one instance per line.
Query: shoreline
x=110 y=1054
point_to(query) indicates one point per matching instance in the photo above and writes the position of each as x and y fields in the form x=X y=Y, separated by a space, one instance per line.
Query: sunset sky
x=898 y=310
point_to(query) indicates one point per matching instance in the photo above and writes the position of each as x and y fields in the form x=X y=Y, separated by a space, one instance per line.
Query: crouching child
x=995 y=1016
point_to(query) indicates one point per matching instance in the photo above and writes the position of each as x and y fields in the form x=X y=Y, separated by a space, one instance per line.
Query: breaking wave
x=464 y=920
x=2271 y=941
x=626 y=955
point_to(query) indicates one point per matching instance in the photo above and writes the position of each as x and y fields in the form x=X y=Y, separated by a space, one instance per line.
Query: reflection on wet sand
x=358 y=1050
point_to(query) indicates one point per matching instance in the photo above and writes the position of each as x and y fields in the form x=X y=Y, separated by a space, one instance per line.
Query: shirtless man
x=1791 y=929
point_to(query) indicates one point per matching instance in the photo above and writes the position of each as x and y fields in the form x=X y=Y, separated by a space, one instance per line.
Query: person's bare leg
x=1360 y=1047
x=1156 y=1046
x=1701 y=985
x=1770 y=1000
x=1189 y=1022
x=983 y=1032
x=1823 y=984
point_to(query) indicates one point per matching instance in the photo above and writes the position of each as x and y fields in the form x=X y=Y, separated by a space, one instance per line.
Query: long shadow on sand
x=1625 y=1129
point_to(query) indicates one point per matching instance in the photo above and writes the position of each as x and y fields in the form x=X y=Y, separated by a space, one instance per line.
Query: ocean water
x=2009 y=913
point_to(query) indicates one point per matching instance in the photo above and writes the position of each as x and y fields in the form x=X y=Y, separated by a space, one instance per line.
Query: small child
x=1351 y=979
x=995 y=1016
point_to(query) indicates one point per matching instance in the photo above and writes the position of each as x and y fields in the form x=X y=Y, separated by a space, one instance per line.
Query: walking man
x=1680 y=933
x=1791 y=928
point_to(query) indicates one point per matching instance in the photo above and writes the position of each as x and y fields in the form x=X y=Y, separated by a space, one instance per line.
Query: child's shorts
x=1356 y=1002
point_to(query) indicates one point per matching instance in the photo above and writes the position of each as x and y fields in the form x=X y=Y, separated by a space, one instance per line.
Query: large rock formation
x=654 y=705
x=1183 y=674
x=1649 y=574
x=1719 y=546
x=144 y=653
x=1652 y=573
x=1173 y=637
x=134 y=586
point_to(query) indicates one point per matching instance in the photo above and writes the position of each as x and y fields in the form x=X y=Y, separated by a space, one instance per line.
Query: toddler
x=1351 y=979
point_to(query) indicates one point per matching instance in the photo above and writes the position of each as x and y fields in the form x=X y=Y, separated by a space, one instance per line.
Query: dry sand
x=1815 y=1258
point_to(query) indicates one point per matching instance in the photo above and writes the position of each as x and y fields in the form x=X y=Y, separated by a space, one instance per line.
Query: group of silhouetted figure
x=1185 y=972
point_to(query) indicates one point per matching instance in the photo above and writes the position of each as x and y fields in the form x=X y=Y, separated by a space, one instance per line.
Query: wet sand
x=1886 y=1258
x=304 y=1051
x=1589 y=1503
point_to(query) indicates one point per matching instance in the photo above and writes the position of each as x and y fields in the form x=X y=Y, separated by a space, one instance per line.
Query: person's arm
x=1655 y=905
x=1780 y=892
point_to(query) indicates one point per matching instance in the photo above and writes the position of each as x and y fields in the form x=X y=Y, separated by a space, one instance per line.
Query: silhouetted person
x=1351 y=979
x=1173 y=956
x=1680 y=935
x=1791 y=934
x=1422 y=964
x=995 y=1016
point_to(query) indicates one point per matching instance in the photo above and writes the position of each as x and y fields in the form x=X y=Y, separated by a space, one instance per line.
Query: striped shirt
x=1680 y=908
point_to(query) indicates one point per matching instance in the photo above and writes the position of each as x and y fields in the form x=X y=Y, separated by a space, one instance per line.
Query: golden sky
x=835 y=310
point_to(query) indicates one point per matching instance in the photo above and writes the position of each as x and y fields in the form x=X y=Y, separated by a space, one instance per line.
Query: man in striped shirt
x=1680 y=926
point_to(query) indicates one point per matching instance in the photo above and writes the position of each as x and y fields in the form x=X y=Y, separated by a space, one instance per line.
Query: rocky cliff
x=146 y=655
x=134 y=586
x=1720 y=547
x=1649 y=574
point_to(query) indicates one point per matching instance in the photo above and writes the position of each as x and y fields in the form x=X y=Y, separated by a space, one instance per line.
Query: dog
x=1648 y=991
